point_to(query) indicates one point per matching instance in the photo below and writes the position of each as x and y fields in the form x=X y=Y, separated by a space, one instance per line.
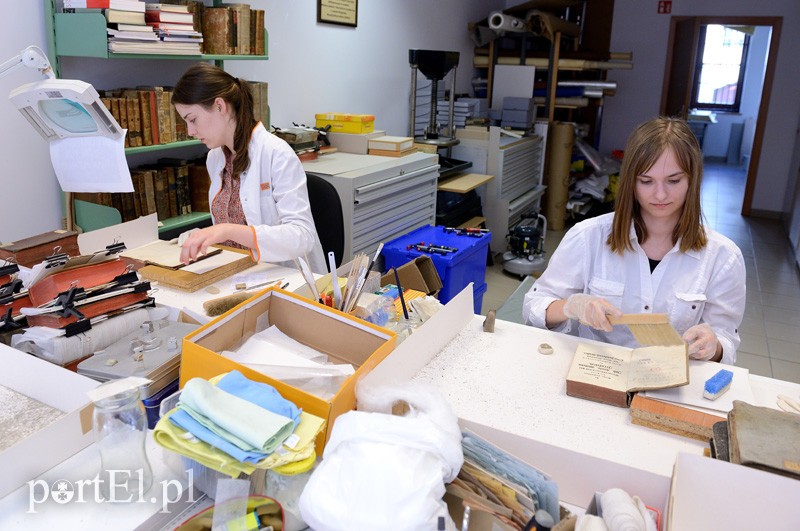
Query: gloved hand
x=702 y=342
x=590 y=310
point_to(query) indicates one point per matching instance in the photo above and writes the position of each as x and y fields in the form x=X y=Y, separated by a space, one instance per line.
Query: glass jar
x=285 y=484
x=120 y=426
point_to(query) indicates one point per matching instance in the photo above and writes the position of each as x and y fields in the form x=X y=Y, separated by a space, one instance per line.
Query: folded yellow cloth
x=180 y=441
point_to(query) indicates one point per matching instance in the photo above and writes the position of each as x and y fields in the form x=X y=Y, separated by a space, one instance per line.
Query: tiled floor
x=770 y=331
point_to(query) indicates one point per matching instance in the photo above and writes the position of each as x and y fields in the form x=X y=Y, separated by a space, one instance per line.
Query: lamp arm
x=32 y=57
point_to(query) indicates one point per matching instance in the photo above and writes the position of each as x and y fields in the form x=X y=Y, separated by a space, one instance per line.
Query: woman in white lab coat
x=652 y=255
x=258 y=194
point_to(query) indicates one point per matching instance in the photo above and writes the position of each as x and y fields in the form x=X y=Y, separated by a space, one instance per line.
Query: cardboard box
x=345 y=339
x=419 y=274
x=59 y=440
x=346 y=123
x=707 y=493
x=351 y=142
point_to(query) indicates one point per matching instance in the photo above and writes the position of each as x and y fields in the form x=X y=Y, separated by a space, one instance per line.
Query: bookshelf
x=84 y=35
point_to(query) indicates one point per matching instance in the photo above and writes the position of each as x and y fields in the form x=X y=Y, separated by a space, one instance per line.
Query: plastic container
x=286 y=484
x=477 y=297
x=152 y=404
x=456 y=269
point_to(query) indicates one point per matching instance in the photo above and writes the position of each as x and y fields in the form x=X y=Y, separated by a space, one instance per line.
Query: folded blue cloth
x=260 y=394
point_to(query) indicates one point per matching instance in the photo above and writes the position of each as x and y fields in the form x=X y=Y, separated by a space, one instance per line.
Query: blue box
x=153 y=402
x=477 y=297
x=456 y=269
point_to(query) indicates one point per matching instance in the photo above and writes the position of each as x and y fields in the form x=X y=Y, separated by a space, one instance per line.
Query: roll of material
x=501 y=22
x=559 y=158
x=547 y=25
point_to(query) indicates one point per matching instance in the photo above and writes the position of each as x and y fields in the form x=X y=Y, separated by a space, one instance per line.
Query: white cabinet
x=518 y=168
x=382 y=197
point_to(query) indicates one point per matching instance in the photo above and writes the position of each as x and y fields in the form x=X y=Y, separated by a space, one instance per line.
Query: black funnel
x=434 y=64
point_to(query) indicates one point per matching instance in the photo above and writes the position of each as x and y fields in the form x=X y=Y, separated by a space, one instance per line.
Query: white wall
x=312 y=68
x=638 y=28
x=30 y=198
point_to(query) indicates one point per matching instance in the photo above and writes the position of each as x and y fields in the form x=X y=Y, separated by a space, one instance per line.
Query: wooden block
x=464 y=182
x=672 y=418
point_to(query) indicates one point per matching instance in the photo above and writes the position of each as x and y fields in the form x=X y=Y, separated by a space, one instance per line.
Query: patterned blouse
x=226 y=207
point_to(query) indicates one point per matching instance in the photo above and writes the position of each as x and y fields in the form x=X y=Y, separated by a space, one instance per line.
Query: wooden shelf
x=183 y=221
x=464 y=182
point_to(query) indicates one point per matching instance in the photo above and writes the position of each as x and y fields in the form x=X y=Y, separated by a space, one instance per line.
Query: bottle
x=120 y=426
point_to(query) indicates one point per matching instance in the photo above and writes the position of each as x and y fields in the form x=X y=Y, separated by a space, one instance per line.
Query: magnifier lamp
x=59 y=108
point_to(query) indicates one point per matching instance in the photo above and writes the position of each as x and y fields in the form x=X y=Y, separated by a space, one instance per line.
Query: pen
x=400 y=292
x=337 y=293
x=285 y=286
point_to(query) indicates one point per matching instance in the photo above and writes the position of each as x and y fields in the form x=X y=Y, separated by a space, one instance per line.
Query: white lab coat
x=275 y=201
x=705 y=286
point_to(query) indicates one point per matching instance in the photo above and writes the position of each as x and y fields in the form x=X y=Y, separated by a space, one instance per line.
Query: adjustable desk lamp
x=59 y=108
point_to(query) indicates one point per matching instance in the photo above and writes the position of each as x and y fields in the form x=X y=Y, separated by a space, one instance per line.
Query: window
x=720 y=67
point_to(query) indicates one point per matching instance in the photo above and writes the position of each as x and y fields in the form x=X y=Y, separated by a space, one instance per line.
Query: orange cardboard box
x=344 y=338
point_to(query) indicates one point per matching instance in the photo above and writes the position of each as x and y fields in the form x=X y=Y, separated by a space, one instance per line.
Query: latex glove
x=702 y=342
x=590 y=310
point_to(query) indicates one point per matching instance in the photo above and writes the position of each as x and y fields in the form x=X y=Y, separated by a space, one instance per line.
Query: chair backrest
x=326 y=208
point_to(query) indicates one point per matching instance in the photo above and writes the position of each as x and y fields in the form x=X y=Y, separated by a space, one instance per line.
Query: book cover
x=117 y=16
x=764 y=438
x=217 y=31
x=391 y=143
x=241 y=15
x=161 y=187
x=611 y=374
x=32 y=250
x=672 y=418
x=172 y=191
x=147 y=124
x=168 y=16
x=199 y=183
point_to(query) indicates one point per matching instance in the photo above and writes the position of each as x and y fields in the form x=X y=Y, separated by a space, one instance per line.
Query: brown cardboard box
x=344 y=338
x=419 y=274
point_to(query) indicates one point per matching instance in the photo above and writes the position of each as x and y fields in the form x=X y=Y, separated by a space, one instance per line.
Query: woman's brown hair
x=203 y=83
x=647 y=142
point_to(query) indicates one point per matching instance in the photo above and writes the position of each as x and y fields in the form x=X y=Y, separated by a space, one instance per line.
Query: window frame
x=698 y=67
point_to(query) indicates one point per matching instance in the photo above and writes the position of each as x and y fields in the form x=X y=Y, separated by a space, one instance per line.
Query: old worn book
x=199 y=183
x=218 y=31
x=719 y=441
x=241 y=21
x=32 y=250
x=612 y=374
x=764 y=438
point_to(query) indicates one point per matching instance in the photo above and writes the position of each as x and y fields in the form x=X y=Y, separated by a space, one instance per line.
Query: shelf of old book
x=85 y=35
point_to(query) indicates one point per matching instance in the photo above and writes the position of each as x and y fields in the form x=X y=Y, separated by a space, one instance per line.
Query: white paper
x=692 y=394
x=212 y=262
x=91 y=164
x=133 y=234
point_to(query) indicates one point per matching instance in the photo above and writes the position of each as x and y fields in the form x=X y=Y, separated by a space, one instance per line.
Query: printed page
x=658 y=367
x=601 y=365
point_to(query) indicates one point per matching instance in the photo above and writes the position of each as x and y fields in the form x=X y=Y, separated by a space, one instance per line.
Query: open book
x=611 y=374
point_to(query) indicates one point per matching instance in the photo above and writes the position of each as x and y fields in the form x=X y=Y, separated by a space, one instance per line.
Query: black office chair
x=326 y=208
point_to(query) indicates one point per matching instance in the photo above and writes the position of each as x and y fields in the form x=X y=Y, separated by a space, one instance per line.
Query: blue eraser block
x=718 y=384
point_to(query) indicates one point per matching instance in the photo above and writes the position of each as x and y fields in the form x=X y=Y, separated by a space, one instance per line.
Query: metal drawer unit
x=382 y=197
x=518 y=167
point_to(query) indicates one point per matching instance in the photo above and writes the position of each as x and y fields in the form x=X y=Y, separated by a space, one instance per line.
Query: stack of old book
x=175 y=28
x=760 y=437
x=391 y=146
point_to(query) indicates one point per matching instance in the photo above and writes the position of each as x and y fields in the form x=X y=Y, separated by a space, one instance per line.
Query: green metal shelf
x=85 y=35
x=183 y=221
x=161 y=147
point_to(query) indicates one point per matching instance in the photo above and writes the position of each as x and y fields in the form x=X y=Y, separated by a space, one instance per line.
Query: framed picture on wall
x=343 y=12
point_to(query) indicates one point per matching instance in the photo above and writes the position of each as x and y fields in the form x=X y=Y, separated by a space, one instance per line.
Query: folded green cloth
x=248 y=426
x=182 y=442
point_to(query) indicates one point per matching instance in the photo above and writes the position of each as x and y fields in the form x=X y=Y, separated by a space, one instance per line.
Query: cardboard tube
x=559 y=158
x=547 y=25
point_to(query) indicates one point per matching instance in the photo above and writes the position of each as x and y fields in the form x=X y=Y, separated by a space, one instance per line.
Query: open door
x=680 y=71
x=679 y=75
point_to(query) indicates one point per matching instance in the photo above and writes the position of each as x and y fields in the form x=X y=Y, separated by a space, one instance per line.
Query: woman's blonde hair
x=647 y=142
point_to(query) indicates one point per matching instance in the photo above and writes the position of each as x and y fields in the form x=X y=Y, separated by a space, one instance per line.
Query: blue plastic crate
x=456 y=269
x=477 y=297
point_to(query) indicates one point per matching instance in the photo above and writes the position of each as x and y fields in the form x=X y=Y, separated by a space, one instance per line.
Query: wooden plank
x=464 y=182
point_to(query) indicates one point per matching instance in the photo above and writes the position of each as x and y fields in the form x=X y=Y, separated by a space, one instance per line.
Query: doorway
x=679 y=79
